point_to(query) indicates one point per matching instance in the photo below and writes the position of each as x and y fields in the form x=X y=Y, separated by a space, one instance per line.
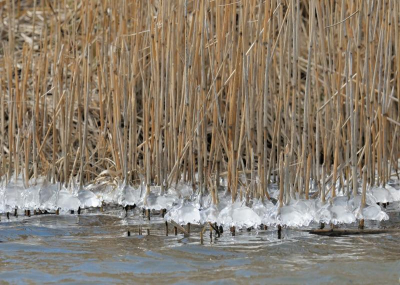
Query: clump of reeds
x=292 y=90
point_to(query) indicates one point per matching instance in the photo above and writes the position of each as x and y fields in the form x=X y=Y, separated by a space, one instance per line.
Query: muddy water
x=95 y=249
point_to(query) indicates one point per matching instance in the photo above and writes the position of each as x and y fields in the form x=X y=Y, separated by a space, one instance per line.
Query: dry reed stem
x=161 y=90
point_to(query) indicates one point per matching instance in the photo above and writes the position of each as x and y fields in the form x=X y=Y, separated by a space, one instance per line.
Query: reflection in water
x=95 y=249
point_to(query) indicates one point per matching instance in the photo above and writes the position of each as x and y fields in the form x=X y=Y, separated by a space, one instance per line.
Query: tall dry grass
x=158 y=90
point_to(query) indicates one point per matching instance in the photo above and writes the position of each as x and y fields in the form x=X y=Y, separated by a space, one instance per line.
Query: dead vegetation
x=158 y=90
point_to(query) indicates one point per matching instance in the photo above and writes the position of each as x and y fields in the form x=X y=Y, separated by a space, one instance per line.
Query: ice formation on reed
x=382 y=195
x=183 y=213
x=239 y=215
x=185 y=205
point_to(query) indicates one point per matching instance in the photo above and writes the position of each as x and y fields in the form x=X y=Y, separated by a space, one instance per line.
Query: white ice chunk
x=307 y=210
x=184 y=213
x=159 y=202
x=382 y=195
x=372 y=212
x=108 y=193
x=13 y=196
x=291 y=217
x=88 y=199
x=341 y=201
x=239 y=215
x=297 y=214
x=338 y=213
x=355 y=202
x=2 y=198
x=129 y=195
x=48 y=196
x=324 y=215
x=245 y=217
x=225 y=216
x=394 y=192
x=260 y=208
x=209 y=214
x=67 y=201
x=181 y=190
x=31 y=197
x=341 y=215
x=270 y=218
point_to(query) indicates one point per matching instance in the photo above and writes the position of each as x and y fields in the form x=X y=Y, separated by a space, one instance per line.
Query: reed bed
x=304 y=93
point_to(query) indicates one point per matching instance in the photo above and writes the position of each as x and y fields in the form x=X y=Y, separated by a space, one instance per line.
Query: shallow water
x=95 y=249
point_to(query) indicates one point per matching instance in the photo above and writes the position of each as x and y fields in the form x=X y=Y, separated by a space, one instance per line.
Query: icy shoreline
x=183 y=206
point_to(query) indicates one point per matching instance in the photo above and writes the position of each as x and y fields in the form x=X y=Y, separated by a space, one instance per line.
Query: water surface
x=95 y=249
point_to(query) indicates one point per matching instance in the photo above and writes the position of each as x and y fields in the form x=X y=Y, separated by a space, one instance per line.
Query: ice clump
x=13 y=196
x=107 y=193
x=372 y=212
x=262 y=209
x=297 y=214
x=2 y=198
x=181 y=190
x=307 y=210
x=291 y=217
x=129 y=195
x=185 y=212
x=31 y=197
x=209 y=214
x=341 y=215
x=48 y=196
x=184 y=205
x=270 y=218
x=159 y=202
x=355 y=202
x=341 y=201
x=239 y=215
x=324 y=215
x=88 y=199
x=67 y=200
x=394 y=192
x=382 y=195
x=339 y=212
